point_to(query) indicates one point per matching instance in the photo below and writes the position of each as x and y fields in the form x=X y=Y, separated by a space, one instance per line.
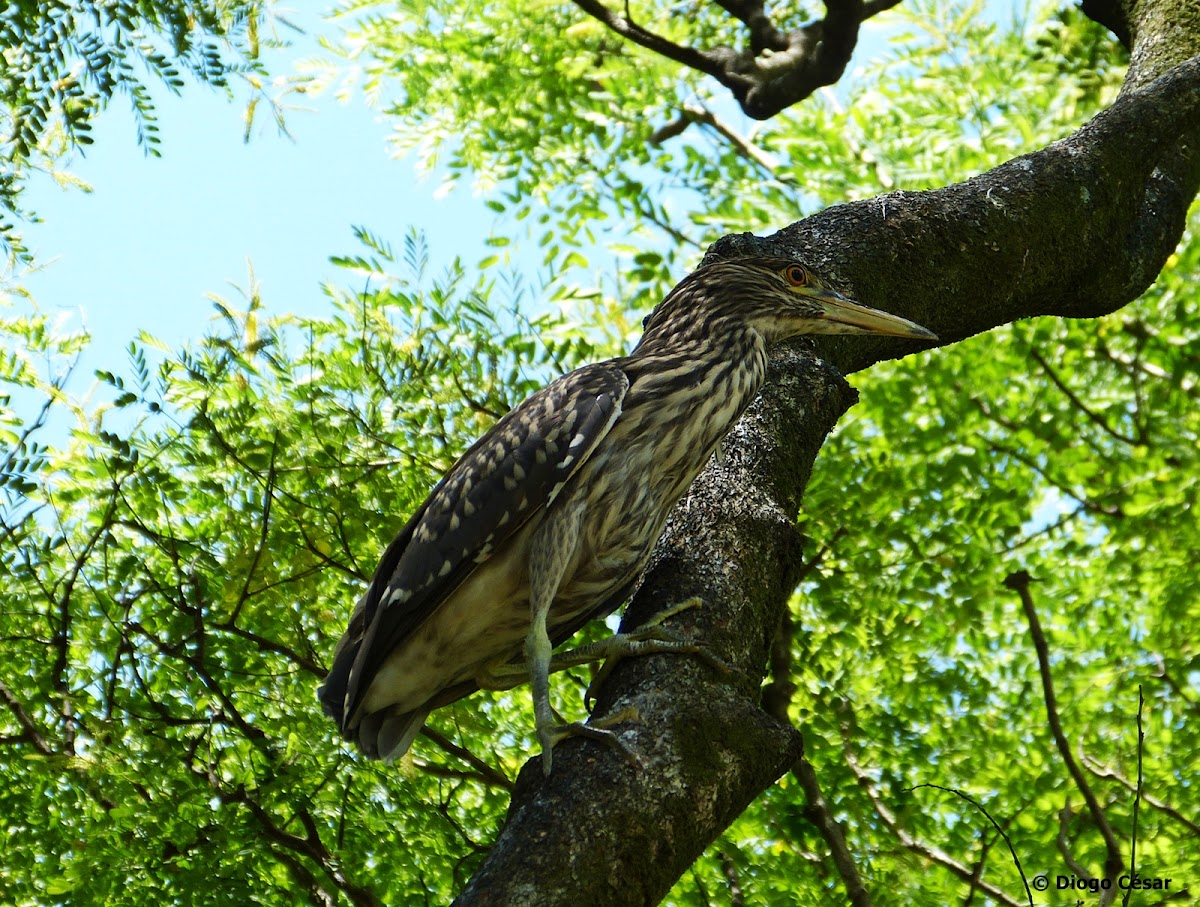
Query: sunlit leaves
x=175 y=573
x=1063 y=448
x=178 y=571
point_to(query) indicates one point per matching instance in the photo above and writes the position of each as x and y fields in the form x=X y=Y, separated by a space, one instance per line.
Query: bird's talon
x=551 y=734
x=655 y=620
x=629 y=713
x=717 y=664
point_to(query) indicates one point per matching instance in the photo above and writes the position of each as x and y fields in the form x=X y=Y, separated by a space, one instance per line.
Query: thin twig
x=933 y=854
x=736 y=898
x=1167 y=677
x=1103 y=771
x=1019 y=583
x=979 y=806
x=268 y=499
x=484 y=771
x=31 y=733
x=1137 y=799
x=1113 y=511
x=743 y=146
x=1065 y=815
x=1092 y=415
x=626 y=28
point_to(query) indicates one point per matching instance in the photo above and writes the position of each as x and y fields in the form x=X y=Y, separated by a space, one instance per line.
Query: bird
x=548 y=520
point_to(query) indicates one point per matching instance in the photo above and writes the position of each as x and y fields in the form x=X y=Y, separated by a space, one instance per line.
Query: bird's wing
x=510 y=474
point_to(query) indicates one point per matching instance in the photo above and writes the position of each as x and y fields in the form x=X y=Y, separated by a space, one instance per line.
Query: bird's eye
x=797 y=276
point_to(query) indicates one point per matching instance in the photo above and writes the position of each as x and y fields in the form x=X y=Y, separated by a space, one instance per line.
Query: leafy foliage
x=1054 y=448
x=63 y=62
x=173 y=577
x=161 y=575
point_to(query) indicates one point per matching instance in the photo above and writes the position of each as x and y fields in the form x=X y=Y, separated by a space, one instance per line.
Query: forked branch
x=776 y=68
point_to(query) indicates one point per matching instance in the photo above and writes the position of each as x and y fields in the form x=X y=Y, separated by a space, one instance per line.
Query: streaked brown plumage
x=549 y=519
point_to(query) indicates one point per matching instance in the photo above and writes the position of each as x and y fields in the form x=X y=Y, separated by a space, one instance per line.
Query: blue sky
x=157 y=234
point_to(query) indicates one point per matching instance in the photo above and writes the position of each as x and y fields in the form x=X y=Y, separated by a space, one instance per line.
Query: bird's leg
x=651 y=638
x=537 y=661
x=549 y=728
x=552 y=548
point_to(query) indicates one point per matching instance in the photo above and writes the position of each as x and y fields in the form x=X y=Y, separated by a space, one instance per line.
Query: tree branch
x=1113 y=862
x=818 y=812
x=1104 y=771
x=933 y=854
x=776 y=699
x=777 y=69
x=482 y=771
x=763 y=33
x=630 y=30
x=1094 y=417
x=1078 y=229
x=29 y=729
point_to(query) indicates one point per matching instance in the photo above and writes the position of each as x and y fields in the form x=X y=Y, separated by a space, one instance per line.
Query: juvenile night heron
x=548 y=521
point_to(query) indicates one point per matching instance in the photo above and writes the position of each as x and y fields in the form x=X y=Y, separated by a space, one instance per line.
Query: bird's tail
x=386 y=736
x=380 y=735
x=332 y=691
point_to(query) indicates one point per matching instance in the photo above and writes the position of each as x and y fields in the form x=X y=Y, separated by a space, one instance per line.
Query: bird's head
x=777 y=297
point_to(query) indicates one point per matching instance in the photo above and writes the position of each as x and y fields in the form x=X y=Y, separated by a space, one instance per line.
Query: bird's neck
x=700 y=338
x=700 y=366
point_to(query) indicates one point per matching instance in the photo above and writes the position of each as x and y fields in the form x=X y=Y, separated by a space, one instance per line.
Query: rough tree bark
x=1078 y=230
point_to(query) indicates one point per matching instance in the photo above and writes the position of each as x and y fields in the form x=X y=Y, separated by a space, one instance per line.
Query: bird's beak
x=840 y=315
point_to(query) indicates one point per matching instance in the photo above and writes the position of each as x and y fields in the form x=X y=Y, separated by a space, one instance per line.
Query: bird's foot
x=650 y=638
x=503 y=675
x=552 y=733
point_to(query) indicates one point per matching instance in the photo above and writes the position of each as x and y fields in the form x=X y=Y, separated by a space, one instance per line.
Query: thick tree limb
x=778 y=68
x=1078 y=229
x=1110 y=14
x=600 y=832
